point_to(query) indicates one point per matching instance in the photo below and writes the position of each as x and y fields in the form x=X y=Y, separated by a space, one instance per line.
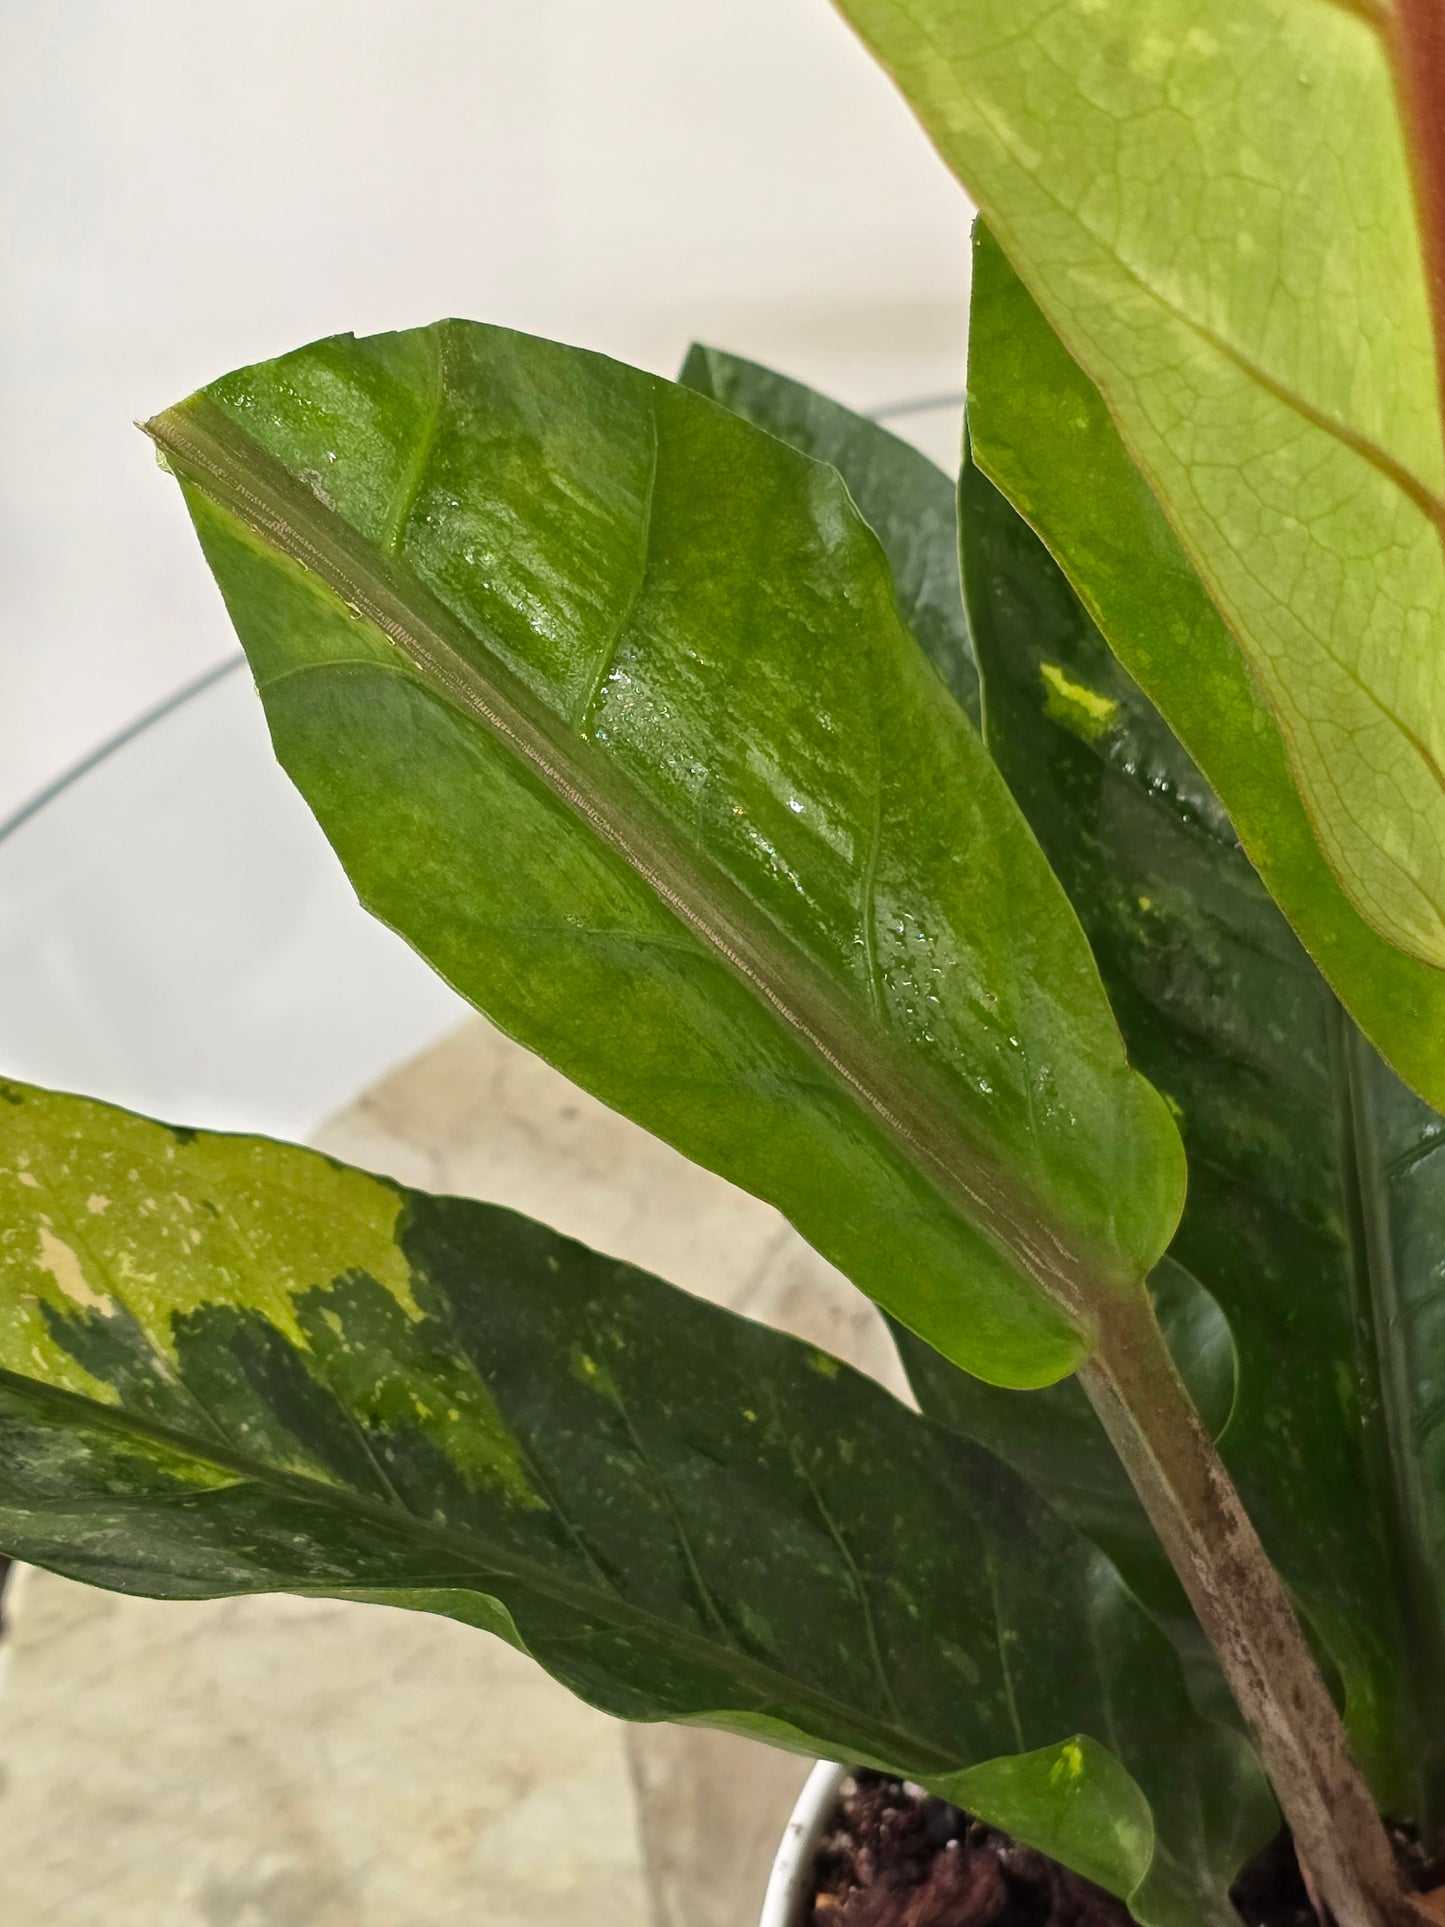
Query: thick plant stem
x=1143 y=1405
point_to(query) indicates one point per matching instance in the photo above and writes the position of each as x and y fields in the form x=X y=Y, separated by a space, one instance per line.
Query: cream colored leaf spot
x=64 y=1267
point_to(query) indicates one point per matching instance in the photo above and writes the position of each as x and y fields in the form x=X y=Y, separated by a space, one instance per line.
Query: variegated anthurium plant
x=965 y=916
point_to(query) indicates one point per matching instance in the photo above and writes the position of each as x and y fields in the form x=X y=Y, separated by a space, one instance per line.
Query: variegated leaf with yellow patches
x=229 y=1365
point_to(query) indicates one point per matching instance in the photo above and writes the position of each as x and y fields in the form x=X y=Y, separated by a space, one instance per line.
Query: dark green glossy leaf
x=1041 y=431
x=1234 y=216
x=229 y=1365
x=1317 y=1199
x=1055 y=1440
x=603 y=696
x=907 y=501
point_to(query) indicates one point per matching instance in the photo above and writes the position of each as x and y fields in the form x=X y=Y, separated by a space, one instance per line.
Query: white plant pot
x=790 y=1883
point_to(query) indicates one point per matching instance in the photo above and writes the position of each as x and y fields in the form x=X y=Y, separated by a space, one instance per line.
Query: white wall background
x=188 y=187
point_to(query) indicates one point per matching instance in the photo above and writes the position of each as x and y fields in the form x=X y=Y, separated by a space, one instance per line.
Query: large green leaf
x=1055 y=1440
x=1213 y=205
x=1042 y=432
x=604 y=698
x=229 y=1365
x=1317 y=1194
x=907 y=501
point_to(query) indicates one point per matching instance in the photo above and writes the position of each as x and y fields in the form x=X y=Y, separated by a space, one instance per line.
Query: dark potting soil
x=895 y=1857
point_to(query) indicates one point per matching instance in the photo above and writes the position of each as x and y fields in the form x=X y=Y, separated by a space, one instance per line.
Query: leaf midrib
x=217 y=456
x=892 y=1745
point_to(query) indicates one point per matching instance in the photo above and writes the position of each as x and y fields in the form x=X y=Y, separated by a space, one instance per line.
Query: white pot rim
x=789 y=1884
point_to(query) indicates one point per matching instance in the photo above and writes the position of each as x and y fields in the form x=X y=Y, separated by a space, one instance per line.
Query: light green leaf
x=1316 y=1212
x=604 y=699
x=1095 y=1822
x=1075 y=1803
x=1213 y=206
x=908 y=502
x=229 y=1365
x=1041 y=432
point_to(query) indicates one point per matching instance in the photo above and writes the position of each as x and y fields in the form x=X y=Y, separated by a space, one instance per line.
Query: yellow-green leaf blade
x=1213 y=206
